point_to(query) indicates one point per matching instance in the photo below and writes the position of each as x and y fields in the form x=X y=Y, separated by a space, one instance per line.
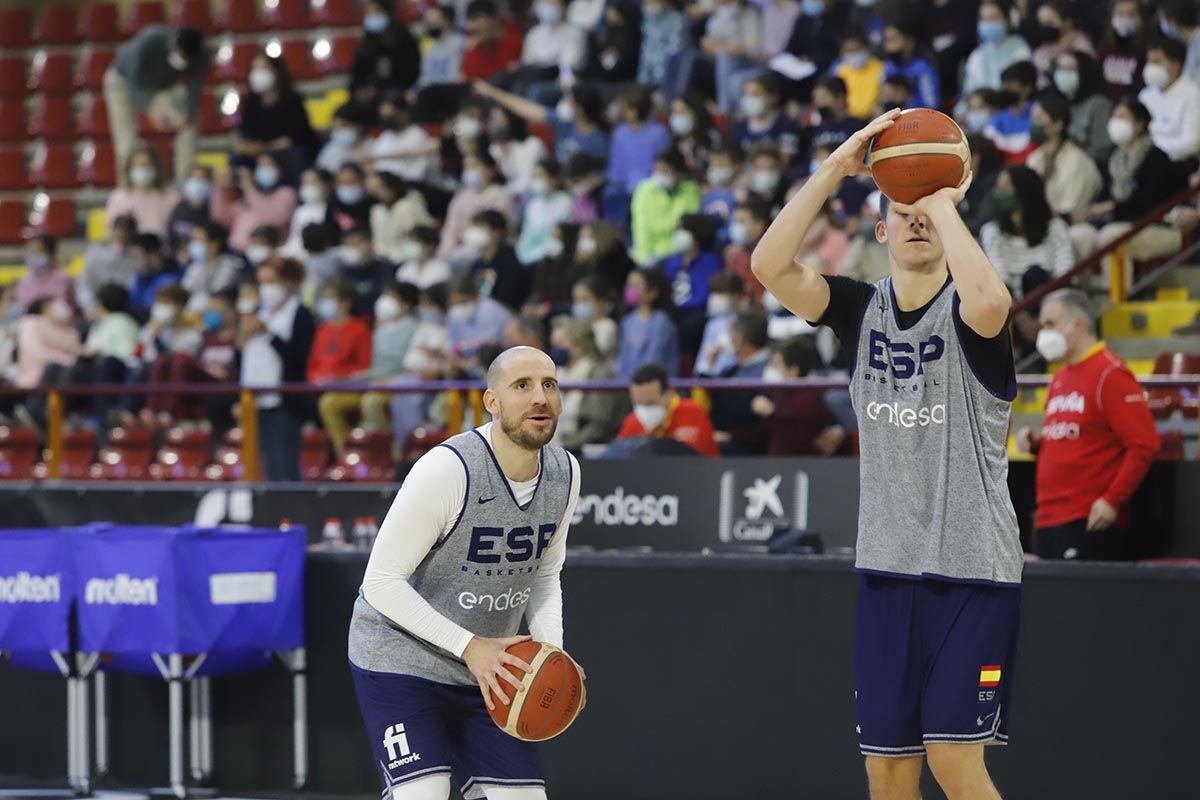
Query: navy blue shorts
x=933 y=662
x=420 y=728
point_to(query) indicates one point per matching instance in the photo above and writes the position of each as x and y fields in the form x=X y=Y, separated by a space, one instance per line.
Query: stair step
x=1140 y=348
x=1149 y=318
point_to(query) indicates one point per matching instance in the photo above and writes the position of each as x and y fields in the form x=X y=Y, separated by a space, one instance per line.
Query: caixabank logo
x=755 y=505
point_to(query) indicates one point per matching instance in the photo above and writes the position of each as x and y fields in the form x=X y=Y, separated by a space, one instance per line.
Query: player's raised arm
x=984 y=300
x=801 y=289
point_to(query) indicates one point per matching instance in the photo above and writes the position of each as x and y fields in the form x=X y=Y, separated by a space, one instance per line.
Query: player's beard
x=527 y=440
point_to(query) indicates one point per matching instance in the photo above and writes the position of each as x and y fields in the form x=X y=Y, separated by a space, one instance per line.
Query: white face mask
x=738 y=233
x=311 y=194
x=1051 y=344
x=1126 y=26
x=476 y=239
x=683 y=240
x=350 y=256
x=387 y=308
x=664 y=180
x=977 y=119
x=472 y=178
x=682 y=124
x=60 y=312
x=554 y=248
x=586 y=246
x=196 y=190
x=771 y=303
x=162 y=313
x=539 y=186
x=468 y=128
x=718 y=304
x=462 y=312
x=410 y=251
x=142 y=176
x=764 y=181
x=272 y=295
x=257 y=253
x=753 y=105
x=176 y=60
x=247 y=305
x=261 y=80
x=650 y=416
x=773 y=375
x=1155 y=76
x=719 y=176
x=564 y=111
x=327 y=307
x=1120 y=130
x=343 y=137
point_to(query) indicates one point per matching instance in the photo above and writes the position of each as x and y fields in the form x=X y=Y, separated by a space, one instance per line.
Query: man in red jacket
x=1097 y=439
x=658 y=411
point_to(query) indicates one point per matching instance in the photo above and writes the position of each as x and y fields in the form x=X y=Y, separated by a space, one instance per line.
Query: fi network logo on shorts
x=395 y=741
x=754 y=507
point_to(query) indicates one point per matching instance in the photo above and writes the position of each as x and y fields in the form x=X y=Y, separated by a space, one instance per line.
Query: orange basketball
x=550 y=698
x=922 y=152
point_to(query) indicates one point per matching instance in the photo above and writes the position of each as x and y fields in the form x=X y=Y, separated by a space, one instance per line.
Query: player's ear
x=881 y=232
x=491 y=403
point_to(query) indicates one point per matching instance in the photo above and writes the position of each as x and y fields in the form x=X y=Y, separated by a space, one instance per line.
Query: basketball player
x=474 y=541
x=932 y=380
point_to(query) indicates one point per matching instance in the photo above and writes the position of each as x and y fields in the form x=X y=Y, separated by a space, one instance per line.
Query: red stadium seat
x=14 y=27
x=51 y=73
x=212 y=122
x=237 y=65
x=421 y=441
x=56 y=25
x=53 y=167
x=240 y=16
x=227 y=464
x=12 y=76
x=367 y=457
x=57 y=217
x=12 y=120
x=336 y=13
x=126 y=455
x=19 y=453
x=99 y=22
x=78 y=454
x=93 y=117
x=165 y=146
x=13 y=176
x=297 y=54
x=97 y=165
x=287 y=15
x=142 y=14
x=184 y=456
x=1170 y=446
x=1164 y=401
x=12 y=222
x=314 y=454
x=53 y=119
x=341 y=54
x=93 y=63
x=193 y=13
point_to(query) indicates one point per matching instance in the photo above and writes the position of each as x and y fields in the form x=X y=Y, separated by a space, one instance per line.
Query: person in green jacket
x=658 y=203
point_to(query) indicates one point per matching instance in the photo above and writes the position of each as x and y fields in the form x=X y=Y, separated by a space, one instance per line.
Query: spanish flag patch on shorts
x=989 y=675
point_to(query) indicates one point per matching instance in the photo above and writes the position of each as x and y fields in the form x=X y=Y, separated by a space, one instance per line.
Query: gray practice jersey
x=934 y=498
x=479 y=575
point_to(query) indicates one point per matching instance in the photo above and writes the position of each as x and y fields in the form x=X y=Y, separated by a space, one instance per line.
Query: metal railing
x=461 y=396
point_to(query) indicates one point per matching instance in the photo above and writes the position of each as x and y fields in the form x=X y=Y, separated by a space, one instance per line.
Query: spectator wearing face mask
x=814 y=39
x=264 y=244
x=613 y=47
x=219 y=357
x=792 y=423
x=588 y=417
x=658 y=204
x=144 y=195
x=577 y=120
x=419 y=264
x=1009 y=129
x=750 y=222
x=659 y=411
x=1072 y=179
x=359 y=265
x=264 y=200
x=345 y=137
x=546 y=206
x=762 y=119
x=1027 y=244
x=111 y=344
x=342 y=345
x=1180 y=20
x=493 y=263
x=1173 y=100
x=998 y=48
x=209 y=268
x=350 y=206
x=904 y=58
x=860 y=71
x=665 y=32
x=44 y=278
x=45 y=336
x=689 y=270
x=481 y=190
x=553 y=42
x=636 y=143
x=193 y=208
x=591 y=302
x=601 y=253
x=399 y=209
x=978 y=206
x=160 y=71
x=403 y=148
x=495 y=42
x=732 y=416
x=731 y=46
x=764 y=178
x=153 y=272
x=514 y=149
x=169 y=343
x=648 y=333
x=553 y=276
x=1122 y=51
x=726 y=296
x=315 y=188
x=1058 y=31
x=396 y=324
x=107 y=262
x=836 y=125
x=387 y=60
x=719 y=199
x=1077 y=77
x=320 y=257
x=273 y=120
x=692 y=132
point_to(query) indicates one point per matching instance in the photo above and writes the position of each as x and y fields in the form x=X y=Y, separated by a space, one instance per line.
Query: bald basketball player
x=932 y=380
x=474 y=542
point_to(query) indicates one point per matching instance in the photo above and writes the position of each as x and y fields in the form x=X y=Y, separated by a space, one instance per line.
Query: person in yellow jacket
x=658 y=203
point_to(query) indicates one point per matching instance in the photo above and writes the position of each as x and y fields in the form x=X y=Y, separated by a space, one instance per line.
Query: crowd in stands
x=588 y=177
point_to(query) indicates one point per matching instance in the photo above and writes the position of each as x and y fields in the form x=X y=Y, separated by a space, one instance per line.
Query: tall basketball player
x=474 y=541
x=932 y=380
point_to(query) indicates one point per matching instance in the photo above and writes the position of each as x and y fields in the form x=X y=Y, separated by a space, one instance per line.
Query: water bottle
x=361 y=534
x=332 y=535
x=372 y=529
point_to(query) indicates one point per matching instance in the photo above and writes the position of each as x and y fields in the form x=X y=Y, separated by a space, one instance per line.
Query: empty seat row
x=62 y=119
x=55 y=215
x=63 y=24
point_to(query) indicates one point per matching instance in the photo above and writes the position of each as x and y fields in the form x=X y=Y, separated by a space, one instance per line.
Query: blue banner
x=35 y=591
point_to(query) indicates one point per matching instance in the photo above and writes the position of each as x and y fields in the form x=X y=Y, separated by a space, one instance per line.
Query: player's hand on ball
x=952 y=195
x=851 y=157
x=1102 y=516
x=486 y=658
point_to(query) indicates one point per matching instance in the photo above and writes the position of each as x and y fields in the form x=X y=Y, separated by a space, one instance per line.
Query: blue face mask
x=812 y=8
x=858 y=59
x=213 y=320
x=375 y=23
x=266 y=177
x=1168 y=29
x=990 y=31
x=197 y=251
